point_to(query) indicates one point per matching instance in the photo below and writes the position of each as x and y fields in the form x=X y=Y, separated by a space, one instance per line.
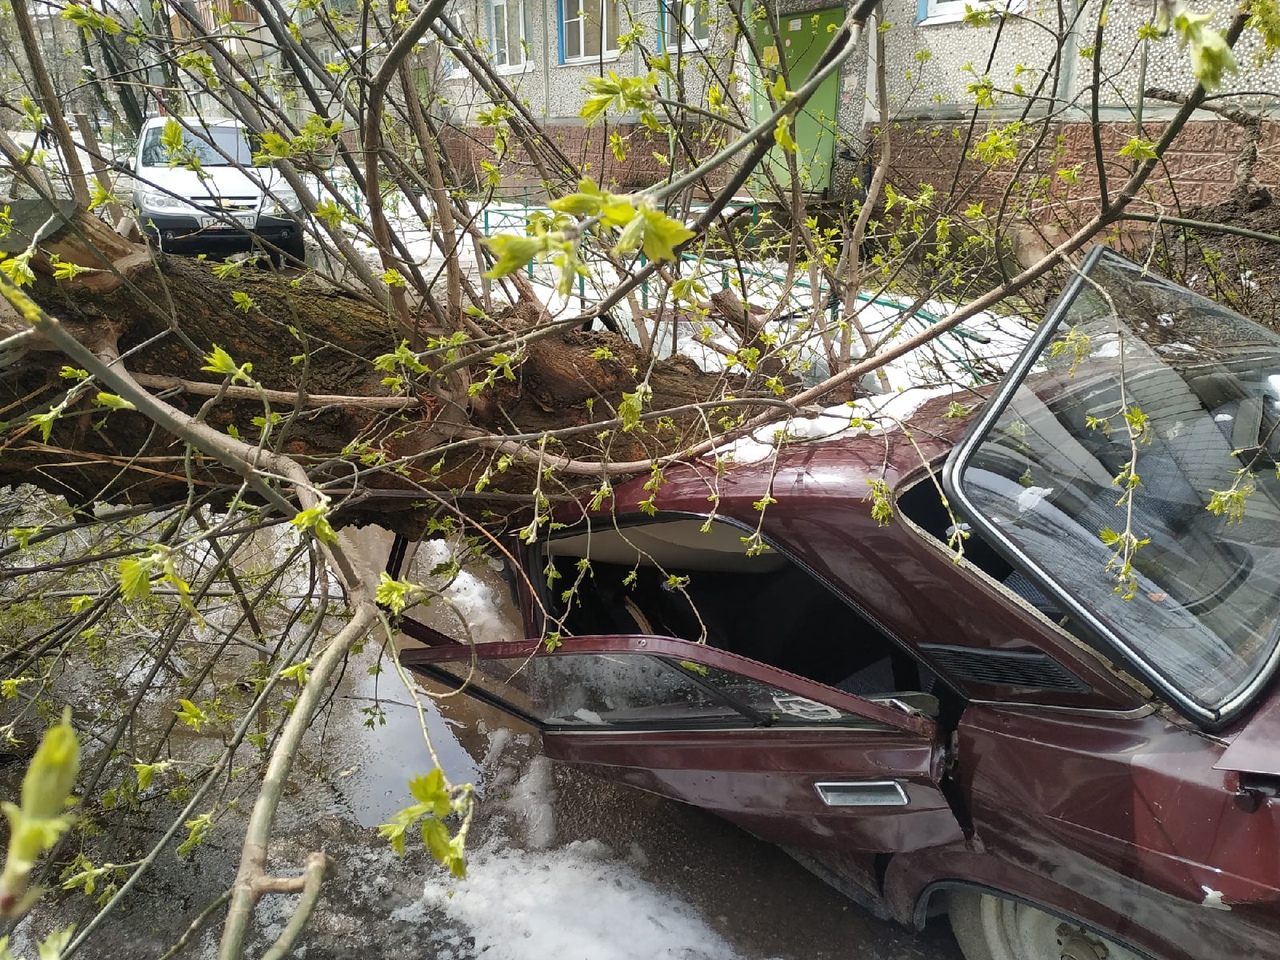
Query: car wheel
x=292 y=253
x=992 y=928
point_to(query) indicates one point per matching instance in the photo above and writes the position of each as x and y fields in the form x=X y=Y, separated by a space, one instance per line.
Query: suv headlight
x=282 y=202
x=150 y=200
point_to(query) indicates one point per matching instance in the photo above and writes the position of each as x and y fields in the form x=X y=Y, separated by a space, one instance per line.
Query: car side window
x=922 y=504
x=618 y=689
x=696 y=581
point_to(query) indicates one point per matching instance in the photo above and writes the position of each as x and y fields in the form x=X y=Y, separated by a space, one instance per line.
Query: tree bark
x=310 y=347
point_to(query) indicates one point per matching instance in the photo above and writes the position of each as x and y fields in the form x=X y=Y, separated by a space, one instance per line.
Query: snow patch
x=873 y=415
x=571 y=904
x=475 y=602
x=532 y=801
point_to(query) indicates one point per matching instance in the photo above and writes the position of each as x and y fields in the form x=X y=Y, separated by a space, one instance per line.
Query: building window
x=940 y=11
x=588 y=29
x=232 y=11
x=510 y=33
x=687 y=23
x=951 y=11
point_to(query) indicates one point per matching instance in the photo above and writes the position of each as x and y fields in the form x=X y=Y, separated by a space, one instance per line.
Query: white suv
x=226 y=206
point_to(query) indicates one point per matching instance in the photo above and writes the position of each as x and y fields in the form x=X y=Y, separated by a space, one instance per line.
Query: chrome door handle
x=862 y=793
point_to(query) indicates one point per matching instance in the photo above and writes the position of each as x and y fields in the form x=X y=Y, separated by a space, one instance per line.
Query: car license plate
x=246 y=220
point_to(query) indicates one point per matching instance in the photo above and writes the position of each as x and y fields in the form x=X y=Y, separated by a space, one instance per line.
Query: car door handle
x=862 y=793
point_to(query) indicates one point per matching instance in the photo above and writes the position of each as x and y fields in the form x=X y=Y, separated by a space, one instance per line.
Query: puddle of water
x=372 y=766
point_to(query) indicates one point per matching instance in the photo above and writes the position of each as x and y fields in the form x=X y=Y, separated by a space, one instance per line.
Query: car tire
x=989 y=927
x=292 y=253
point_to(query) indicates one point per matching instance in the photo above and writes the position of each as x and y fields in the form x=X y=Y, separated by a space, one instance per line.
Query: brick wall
x=588 y=147
x=1199 y=169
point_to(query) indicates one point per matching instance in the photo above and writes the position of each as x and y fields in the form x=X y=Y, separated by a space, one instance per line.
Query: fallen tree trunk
x=316 y=395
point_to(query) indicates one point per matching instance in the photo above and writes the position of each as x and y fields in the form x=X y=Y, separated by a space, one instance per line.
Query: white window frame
x=941 y=11
x=675 y=38
x=930 y=12
x=510 y=55
x=580 y=24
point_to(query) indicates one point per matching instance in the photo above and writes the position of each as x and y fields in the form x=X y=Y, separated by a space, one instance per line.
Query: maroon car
x=1017 y=664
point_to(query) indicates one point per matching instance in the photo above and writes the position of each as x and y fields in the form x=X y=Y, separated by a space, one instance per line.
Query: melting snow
x=868 y=415
x=576 y=903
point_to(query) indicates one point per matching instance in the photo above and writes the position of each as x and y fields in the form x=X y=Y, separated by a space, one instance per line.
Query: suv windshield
x=1130 y=462
x=216 y=146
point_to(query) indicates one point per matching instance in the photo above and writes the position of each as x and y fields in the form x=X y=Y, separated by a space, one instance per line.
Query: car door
x=793 y=761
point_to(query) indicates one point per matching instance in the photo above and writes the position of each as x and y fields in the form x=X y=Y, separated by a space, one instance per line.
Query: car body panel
x=1255 y=745
x=874 y=785
x=1134 y=815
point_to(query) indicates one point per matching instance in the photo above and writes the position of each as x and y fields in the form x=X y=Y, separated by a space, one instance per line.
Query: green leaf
x=171 y=139
x=36 y=825
x=18 y=269
x=316 y=520
x=47 y=784
x=393 y=594
x=632 y=235
x=782 y=135
x=113 y=402
x=191 y=715
x=1264 y=17
x=513 y=252
x=90 y=20
x=147 y=772
x=435 y=836
x=1139 y=149
x=197 y=828
x=632 y=406
x=662 y=234
x=52 y=946
x=432 y=792
x=227 y=270
x=616 y=210
x=65 y=269
x=1211 y=58
x=394 y=832
x=135 y=577
x=624 y=94
x=244 y=302
x=401 y=357
x=46 y=420
x=299 y=673
x=330 y=213
x=577 y=205
x=219 y=361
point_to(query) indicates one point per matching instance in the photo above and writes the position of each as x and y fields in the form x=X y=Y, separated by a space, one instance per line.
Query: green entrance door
x=804 y=38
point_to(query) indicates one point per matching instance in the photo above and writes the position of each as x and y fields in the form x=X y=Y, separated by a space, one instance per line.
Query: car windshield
x=1130 y=463
x=217 y=146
